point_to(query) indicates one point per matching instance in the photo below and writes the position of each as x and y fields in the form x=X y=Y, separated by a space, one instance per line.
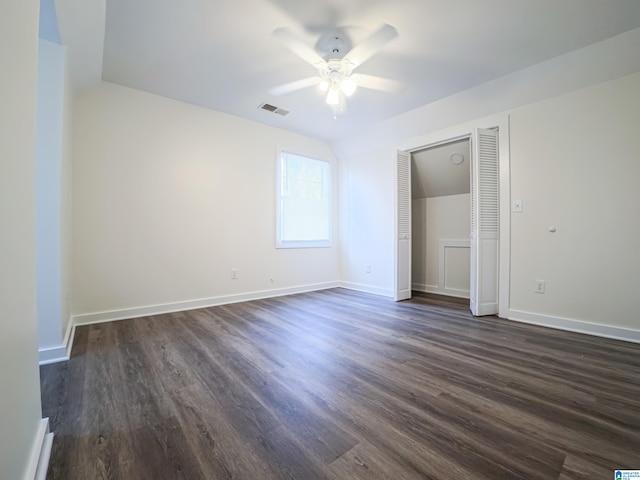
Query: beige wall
x=169 y=197
x=20 y=397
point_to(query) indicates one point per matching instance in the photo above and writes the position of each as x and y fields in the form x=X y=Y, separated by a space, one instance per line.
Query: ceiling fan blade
x=378 y=83
x=293 y=86
x=365 y=50
x=294 y=44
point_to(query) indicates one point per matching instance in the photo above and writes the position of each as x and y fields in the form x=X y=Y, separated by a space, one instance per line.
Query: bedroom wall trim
x=40 y=452
x=578 y=326
x=361 y=287
x=135 y=312
x=58 y=353
x=450 y=292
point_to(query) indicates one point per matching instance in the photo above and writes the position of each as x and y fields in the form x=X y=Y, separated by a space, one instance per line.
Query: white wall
x=577 y=143
x=169 y=197
x=434 y=220
x=52 y=206
x=65 y=204
x=575 y=164
x=20 y=397
x=366 y=221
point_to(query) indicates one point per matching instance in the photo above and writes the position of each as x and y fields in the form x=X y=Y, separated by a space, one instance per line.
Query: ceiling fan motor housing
x=336 y=46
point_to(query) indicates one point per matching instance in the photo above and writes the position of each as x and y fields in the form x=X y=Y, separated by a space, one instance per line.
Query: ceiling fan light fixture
x=348 y=86
x=333 y=97
x=335 y=70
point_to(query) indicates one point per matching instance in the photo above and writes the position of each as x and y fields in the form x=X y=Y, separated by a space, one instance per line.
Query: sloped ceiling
x=221 y=54
x=82 y=25
x=434 y=174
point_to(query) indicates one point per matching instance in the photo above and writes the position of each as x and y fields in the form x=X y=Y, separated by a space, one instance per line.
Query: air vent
x=268 y=108
x=272 y=108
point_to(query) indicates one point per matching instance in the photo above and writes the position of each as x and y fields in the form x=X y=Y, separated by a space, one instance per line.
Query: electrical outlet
x=367 y=268
x=234 y=274
x=541 y=286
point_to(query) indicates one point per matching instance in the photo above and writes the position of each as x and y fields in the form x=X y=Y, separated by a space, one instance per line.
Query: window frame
x=318 y=243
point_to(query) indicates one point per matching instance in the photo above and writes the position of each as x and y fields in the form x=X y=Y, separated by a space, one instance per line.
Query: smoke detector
x=456 y=158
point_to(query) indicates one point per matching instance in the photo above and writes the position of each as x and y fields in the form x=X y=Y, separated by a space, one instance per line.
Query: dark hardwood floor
x=341 y=385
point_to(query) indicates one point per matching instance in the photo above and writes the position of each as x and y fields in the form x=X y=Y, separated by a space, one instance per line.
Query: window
x=304 y=202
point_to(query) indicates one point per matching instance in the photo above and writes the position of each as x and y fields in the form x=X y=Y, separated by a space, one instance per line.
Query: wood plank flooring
x=341 y=385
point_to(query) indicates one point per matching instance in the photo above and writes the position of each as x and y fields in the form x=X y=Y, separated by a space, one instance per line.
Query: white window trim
x=302 y=243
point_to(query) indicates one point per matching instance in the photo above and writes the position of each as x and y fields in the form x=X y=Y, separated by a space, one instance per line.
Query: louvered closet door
x=484 y=222
x=403 y=226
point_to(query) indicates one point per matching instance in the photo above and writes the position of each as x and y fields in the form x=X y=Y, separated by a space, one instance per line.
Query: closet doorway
x=441 y=219
x=489 y=222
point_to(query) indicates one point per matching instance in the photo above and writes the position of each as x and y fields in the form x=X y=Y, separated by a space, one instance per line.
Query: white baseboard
x=53 y=355
x=579 y=326
x=45 y=456
x=361 y=287
x=59 y=353
x=40 y=452
x=450 y=292
x=111 y=315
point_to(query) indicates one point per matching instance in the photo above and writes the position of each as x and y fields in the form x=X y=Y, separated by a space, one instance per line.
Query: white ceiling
x=221 y=54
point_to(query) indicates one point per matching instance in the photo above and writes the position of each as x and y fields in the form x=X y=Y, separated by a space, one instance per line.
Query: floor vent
x=272 y=108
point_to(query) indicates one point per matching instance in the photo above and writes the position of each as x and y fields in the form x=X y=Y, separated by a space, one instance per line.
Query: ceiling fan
x=335 y=70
